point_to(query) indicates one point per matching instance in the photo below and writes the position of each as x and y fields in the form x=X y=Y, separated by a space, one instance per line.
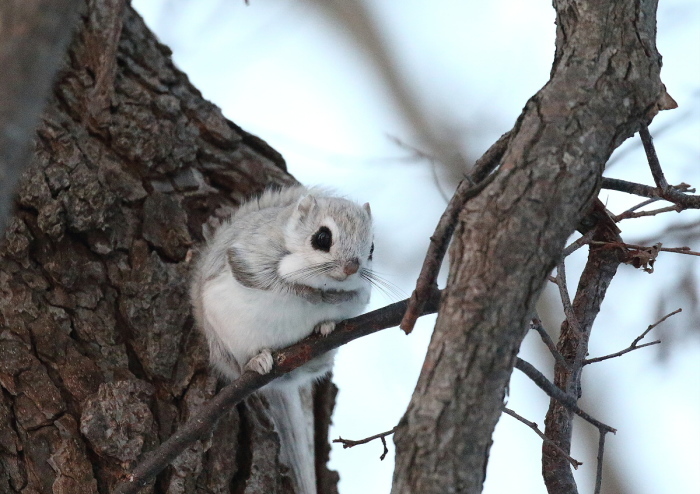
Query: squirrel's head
x=329 y=243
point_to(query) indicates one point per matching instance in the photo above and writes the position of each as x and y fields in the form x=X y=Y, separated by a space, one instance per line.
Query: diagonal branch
x=560 y=281
x=536 y=324
x=533 y=426
x=566 y=400
x=652 y=158
x=477 y=180
x=285 y=360
x=578 y=243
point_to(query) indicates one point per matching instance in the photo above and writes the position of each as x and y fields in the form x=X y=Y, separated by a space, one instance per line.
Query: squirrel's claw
x=261 y=363
x=325 y=328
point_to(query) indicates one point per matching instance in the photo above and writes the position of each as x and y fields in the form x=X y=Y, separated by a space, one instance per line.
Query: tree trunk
x=604 y=82
x=99 y=360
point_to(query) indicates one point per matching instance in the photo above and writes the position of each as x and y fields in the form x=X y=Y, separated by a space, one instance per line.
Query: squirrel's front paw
x=325 y=328
x=261 y=363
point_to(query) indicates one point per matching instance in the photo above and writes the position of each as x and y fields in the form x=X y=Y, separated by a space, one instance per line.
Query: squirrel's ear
x=367 y=208
x=306 y=205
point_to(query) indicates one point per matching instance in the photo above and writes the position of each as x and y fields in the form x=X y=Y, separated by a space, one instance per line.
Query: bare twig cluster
x=607 y=251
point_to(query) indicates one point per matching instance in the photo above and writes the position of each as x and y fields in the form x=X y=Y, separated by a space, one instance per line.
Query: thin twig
x=349 y=443
x=560 y=280
x=468 y=188
x=640 y=205
x=620 y=353
x=552 y=391
x=536 y=324
x=659 y=130
x=629 y=215
x=599 y=465
x=652 y=158
x=533 y=426
x=285 y=361
x=578 y=243
x=635 y=344
x=652 y=326
x=677 y=250
x=631 y=210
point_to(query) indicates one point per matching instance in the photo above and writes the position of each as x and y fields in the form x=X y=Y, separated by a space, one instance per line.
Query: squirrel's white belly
x=247 y=320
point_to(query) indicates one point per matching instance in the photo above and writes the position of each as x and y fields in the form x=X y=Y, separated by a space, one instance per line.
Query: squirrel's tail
x=290 y=410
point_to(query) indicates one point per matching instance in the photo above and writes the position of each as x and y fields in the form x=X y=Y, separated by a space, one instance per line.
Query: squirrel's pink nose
x=351 y=266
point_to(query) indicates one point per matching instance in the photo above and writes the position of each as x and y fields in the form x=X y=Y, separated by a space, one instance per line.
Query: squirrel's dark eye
x=371 y=252
x=322 y=239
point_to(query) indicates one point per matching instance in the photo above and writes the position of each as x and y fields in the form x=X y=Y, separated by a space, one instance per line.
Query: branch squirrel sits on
x=291 y=262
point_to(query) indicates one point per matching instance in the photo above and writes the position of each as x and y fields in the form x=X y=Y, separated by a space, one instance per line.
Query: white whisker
x=308 y=272
x=389 y=289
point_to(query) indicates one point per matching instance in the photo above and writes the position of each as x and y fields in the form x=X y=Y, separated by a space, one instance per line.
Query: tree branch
x=652 y=158
x=578 y=243
x=285 y=360
x=533 y=426
x=536 y=324
x=557 y=394
x=630 y=187
x=564 y=295
x=349 y=443
x=634 y=345
x=599 y=463
x=631 y=210
x=629 y=214
x=475 y=182
x=671 y=194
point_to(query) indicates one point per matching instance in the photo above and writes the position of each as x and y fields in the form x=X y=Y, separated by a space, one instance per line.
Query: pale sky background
x=283 y=70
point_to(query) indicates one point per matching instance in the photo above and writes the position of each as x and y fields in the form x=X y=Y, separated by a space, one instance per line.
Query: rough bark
x=604 y=82
x=99 y=361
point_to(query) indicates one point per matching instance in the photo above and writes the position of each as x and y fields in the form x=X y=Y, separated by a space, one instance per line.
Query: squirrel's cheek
x=291 y=264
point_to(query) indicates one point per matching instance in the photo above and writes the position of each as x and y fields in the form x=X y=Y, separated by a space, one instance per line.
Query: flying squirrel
x=289 y=263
